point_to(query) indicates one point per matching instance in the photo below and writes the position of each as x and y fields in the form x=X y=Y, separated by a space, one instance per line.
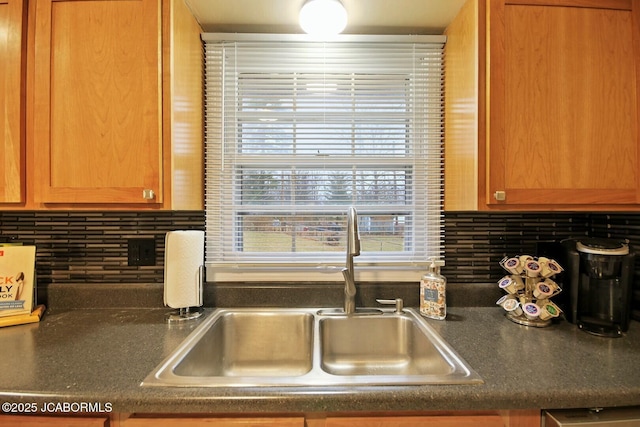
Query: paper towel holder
x=189 y=313
x=183 y=314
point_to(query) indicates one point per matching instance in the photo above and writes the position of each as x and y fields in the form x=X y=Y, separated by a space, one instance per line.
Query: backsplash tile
x=475 y=241
x=91 y=247
x=617 y=226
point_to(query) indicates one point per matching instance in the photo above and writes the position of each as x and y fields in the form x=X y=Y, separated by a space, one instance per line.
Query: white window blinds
x=297 y=131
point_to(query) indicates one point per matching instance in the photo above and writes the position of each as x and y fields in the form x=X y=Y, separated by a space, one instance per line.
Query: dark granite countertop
x=102 y=355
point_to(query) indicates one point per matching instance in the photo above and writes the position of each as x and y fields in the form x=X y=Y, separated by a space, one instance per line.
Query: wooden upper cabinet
x=98 y=101
x=558 y=117
x=12 y=106
x=563 y=104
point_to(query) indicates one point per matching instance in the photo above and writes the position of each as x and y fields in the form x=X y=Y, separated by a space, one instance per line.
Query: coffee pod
x=551 y=268
x=532 y=268
x=541 y=302
x=542 y=291
x=504 y=298
x=555 y=288
x=531 y=311
x=512 y=306
x=543 y=263
x=549 y=310
x=524 y=258
x=512 y=265
x=508 y=285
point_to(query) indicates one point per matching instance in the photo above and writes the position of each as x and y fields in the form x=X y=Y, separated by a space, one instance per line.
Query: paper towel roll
x=184 y=256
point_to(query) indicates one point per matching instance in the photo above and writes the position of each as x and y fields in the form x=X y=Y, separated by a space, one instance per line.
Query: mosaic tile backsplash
x=91 y=247
x=475 y=242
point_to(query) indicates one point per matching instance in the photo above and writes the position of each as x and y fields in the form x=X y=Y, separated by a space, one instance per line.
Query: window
x=297 y=131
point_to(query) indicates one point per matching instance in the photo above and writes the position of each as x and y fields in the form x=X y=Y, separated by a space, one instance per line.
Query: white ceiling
x=365 y=16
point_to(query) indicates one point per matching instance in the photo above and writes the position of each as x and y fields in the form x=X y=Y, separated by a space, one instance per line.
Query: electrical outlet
x=141 y=251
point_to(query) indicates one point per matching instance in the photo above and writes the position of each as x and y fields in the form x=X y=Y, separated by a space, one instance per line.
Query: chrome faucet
x=353 y=250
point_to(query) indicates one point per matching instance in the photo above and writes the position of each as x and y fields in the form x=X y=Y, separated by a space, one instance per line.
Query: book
x=17 y=280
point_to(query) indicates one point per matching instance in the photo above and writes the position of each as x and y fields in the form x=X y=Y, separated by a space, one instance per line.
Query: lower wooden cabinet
x=206 y=421
x=53 y=421
x=520 y=418
x=529 y=418
x=418 y=421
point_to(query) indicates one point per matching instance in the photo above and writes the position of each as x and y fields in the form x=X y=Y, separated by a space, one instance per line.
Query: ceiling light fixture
x=323 y=17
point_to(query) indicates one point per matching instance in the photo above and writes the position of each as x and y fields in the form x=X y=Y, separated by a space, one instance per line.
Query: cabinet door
x=418 y=421
x=97 y=101
x=12 y=112
x=43 y=421
x=203 y=421
x=562 y=102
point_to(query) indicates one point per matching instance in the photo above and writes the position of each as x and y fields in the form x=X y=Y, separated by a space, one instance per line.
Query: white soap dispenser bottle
x=433 y=298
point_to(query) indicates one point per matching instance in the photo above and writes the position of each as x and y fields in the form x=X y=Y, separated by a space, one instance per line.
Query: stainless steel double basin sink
x=250 y=347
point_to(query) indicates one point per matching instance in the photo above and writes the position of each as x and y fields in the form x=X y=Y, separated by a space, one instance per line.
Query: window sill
x=237 y=273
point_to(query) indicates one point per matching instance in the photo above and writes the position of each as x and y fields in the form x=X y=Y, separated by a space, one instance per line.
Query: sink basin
x=248 y=347
x=252 y=344
x=381 y=345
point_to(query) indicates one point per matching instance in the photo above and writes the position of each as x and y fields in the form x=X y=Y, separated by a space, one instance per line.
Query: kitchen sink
x=249 y=347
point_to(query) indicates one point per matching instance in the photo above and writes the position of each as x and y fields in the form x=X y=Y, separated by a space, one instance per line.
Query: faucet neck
x=353 y=249
x=353 y=236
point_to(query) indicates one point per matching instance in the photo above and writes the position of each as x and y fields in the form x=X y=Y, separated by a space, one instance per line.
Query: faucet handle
x=397 y=302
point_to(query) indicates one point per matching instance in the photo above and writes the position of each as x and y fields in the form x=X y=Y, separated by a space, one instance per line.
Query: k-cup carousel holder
x=529 y=289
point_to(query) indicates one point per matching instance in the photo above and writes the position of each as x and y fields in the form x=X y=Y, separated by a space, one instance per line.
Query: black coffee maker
x=598 y=282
